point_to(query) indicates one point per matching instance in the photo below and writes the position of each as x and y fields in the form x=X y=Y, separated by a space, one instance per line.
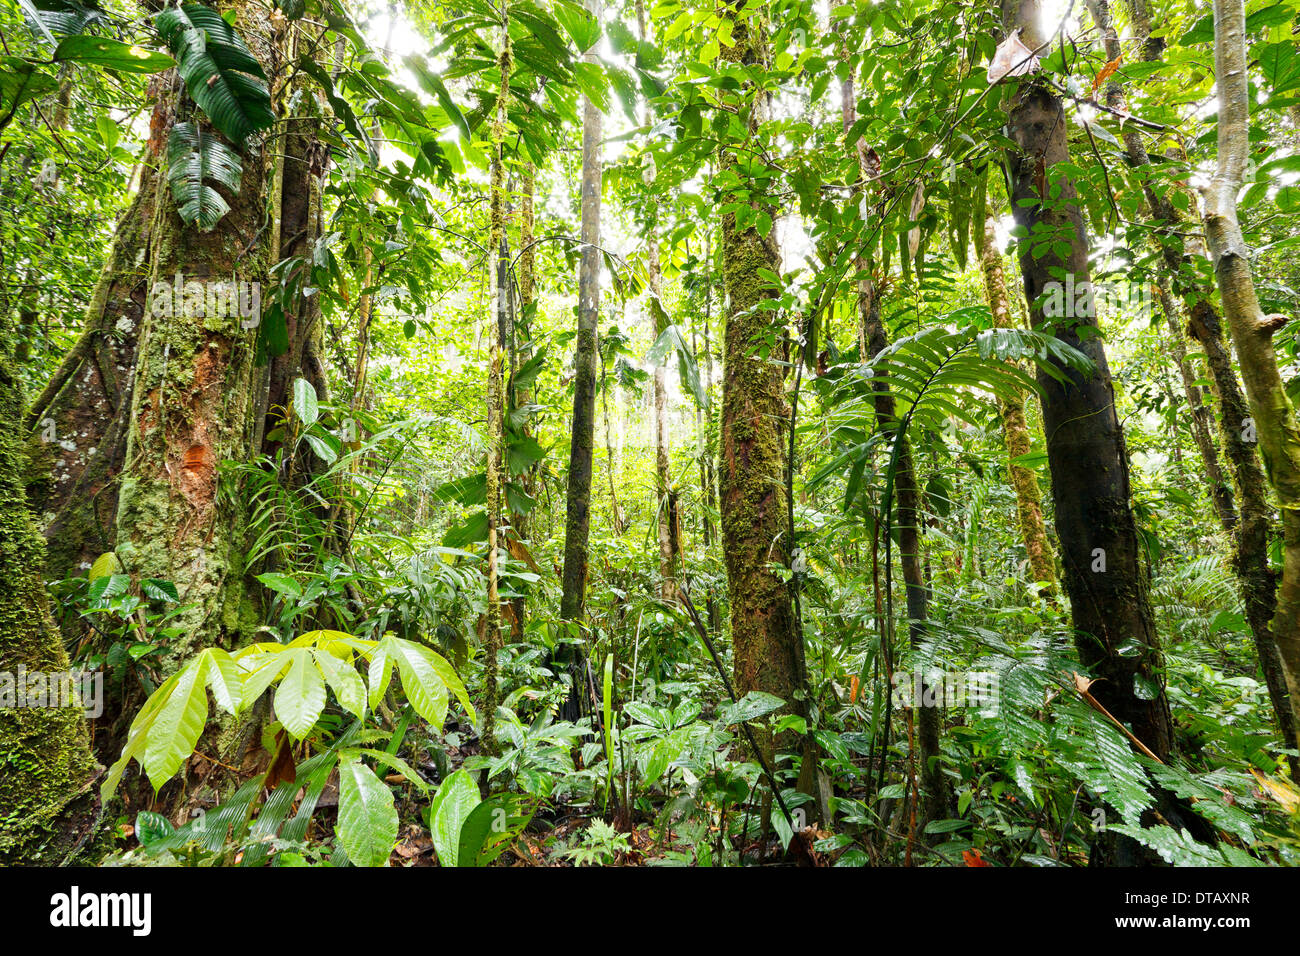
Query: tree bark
x=499 y=319
x=193 y=402
x=1100 y=554
x=45 y=761
x=766 y=648
x=1015 y=430
x=79 y=422
x=578 y=511
x=1273 y=418
x=1257 y=582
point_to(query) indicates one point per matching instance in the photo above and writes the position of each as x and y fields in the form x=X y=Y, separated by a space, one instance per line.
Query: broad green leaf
x=305 y=405
x=281 y=583
x=106 y=564
x=367 y=825
x=224 y=680
x=451 y=806
x=342 y=678
x=300 y=695
x=175 y=731
x=752 y=705
x=195 y=162
x=420 y=681
x=112 y=54
x=222 y=76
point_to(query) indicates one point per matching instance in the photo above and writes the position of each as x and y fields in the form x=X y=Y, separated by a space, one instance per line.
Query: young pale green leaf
x=106 y=564
x=224 y=680
x=343 y=679
x=175 y=731
x=300 y=696
x=305 y=404
x=424 y=688
x=381 y=672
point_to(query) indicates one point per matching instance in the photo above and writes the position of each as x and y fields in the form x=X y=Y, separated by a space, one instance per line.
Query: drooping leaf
x=194 y=162
x=222 y=75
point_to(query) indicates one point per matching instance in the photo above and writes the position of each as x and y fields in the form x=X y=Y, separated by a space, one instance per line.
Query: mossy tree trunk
x=497 y=334
x=1273 y=418
x=193 y=398
x=1015 y=430
x=45 y=762
x=78 y=424
x=1103 y=576
x=767 y=650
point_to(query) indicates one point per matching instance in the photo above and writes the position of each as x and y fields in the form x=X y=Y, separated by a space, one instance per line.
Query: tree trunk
x=45 y=762
x=1272 y=419
x=520 y=397
x=499 y=318
x=578 y=512
x=1201 y=417
x=1015 y=430
x=669 y=520
x=766 y=649
x=1100 y=554
x=193 y=401
x=1256 y=579
x=80 y=419
x=666 y=506
x=873 y=338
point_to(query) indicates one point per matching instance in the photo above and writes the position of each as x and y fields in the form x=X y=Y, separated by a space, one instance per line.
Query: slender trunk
x=578 y=513
x=873 y=338
x=1113 y=620
x=1202 y=416
x=1015 y=430
x=1256 y=579
x=498 y=317
x=666 y=506
x=521 y=342
x=303 y=166
x=669 y=522
x=1273 y=418
x=611 y=457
